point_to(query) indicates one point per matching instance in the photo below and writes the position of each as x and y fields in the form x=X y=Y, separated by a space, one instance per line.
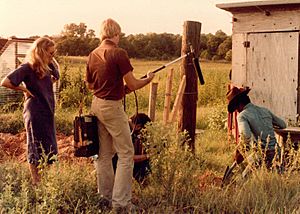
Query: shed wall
x=272 y=71
x=7 y=64
x=10 y=59
x=265 y=56
x=278 y=20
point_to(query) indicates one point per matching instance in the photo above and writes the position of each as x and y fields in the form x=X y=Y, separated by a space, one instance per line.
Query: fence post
x=152 y=100
x=168 y=95
x=178 y=99
x=188 y=110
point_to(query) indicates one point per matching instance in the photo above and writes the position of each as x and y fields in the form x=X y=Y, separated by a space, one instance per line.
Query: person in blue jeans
x=254 y=122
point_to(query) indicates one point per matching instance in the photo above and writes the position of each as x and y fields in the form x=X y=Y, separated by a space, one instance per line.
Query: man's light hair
x=109 y=28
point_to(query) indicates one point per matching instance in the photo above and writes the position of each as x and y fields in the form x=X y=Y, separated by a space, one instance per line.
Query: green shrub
x=64 y=120
x=217 y=117
x=11 y=122
x=63 y=189
x=172 y=165
x=72 y=90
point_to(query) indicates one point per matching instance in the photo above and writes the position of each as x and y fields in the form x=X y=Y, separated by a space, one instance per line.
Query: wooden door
x=272 y=71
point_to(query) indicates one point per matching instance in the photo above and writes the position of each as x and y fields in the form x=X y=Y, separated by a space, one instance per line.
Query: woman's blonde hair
x=109 y=28
x=38 y=56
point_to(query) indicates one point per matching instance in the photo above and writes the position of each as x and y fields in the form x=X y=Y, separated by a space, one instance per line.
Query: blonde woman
x=38 y=74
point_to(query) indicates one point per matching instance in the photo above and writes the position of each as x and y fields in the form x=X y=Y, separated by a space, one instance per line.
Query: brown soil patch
x=209 y=180
x=14 y=147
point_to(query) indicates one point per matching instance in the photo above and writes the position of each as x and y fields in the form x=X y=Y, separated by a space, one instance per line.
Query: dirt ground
x=14 y=146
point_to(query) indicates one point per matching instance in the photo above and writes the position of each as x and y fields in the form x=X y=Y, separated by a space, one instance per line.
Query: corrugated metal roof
x=234 y=5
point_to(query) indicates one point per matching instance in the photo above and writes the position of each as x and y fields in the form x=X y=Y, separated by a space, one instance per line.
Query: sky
x=24 y=18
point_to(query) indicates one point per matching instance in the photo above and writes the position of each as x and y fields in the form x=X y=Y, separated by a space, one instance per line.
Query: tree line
x=77 y=40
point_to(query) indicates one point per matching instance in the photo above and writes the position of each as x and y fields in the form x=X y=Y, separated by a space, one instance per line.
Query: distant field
x=211 y=95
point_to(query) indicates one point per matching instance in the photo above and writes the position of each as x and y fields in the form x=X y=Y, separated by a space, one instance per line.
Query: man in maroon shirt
x=107 y=68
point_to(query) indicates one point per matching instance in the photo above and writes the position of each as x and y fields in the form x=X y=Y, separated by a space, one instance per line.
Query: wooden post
x=152 y=100
x=168 y=96
x=178 y=99
x=16 y=54
x=188 y=108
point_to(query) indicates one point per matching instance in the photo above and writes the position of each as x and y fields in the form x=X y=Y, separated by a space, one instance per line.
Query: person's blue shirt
x=259 y=122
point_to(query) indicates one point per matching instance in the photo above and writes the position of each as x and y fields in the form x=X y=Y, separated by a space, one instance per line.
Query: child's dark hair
x=245 y=99
x=140 y=118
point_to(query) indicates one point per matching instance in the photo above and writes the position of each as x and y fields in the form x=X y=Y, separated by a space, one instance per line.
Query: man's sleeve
x=278 y=122
x=244 y=129
x=88 y=76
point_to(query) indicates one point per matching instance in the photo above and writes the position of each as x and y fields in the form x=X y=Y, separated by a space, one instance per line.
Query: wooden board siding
x=239 y=60
x=272 y=71
x=21 y=52
x=270 y=64
x=8 y=61
x=257 y=21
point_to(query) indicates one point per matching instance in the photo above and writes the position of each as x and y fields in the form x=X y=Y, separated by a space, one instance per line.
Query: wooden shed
x=265 y=53
x=12 y=54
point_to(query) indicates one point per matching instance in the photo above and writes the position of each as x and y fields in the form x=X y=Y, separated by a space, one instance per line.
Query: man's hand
x=127 y=90
x=150 y=76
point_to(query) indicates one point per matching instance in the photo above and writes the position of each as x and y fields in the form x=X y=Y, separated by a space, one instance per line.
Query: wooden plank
x=272 y=71
x=7 y=61
x=168 y=95
x=257 y=21
x=238 y=60
x=178 y=99
x=152 y=100
x=23 y=47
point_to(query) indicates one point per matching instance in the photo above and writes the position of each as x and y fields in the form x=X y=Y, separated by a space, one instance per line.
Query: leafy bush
x=217 y=117
x=63 y=189
x=173 y=165
x=11 y=122
x=64 y=120
x=228 y=56
x=72 y=90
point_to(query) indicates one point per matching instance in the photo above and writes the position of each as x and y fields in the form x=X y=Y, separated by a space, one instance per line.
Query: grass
x=176 y=185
